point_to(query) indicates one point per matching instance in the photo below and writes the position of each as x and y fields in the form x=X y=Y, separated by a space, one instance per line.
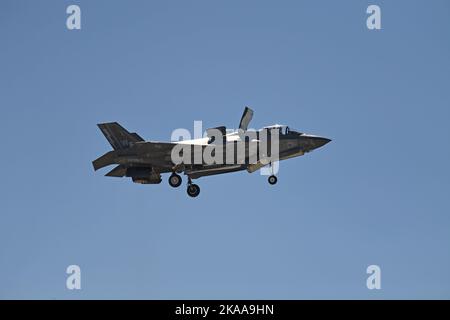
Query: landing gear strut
x=272 y=179
x=193 y=190
x=174 y=180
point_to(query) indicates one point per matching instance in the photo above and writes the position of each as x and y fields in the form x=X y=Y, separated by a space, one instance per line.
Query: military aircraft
x=145 y=161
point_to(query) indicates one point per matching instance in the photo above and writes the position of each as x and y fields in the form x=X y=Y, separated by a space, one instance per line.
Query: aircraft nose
x=317 y=142
x=320 y=142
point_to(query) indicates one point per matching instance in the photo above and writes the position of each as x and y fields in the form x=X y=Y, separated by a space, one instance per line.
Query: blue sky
x=378 y=194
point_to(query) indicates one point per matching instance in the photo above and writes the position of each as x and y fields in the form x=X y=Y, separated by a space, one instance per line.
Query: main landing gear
x=193 y=190
x=174 y=180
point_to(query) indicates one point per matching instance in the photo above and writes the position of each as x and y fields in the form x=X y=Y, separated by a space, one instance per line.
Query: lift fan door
x=246 y=118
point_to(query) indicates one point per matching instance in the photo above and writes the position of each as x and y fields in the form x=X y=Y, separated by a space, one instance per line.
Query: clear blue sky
x=378 y=194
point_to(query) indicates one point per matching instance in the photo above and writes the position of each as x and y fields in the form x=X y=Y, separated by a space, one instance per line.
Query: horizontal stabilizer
x=118 y=171
x=105 y=160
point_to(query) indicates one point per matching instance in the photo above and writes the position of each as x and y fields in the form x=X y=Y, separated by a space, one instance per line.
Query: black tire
x=175 y=180
x=272 y=179
x=193 y=190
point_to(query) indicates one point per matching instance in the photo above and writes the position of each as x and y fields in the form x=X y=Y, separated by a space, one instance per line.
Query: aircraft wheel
x=174 y=180
x=272 y=179
x=193 y=190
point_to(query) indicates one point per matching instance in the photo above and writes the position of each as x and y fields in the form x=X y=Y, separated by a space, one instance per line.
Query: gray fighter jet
x=243 y=149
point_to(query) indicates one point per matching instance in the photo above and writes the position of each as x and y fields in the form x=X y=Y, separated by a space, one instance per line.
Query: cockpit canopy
x=284 y=130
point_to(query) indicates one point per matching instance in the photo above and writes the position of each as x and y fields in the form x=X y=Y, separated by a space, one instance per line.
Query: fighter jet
x=229 y=151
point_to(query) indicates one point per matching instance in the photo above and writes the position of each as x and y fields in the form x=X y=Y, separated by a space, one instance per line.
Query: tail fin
x=118 y=137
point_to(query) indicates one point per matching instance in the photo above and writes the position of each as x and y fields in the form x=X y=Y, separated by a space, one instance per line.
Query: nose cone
x=318 y=142
x=313 y=142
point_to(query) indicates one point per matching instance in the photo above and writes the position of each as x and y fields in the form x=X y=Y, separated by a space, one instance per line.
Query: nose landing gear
x=272 y=179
